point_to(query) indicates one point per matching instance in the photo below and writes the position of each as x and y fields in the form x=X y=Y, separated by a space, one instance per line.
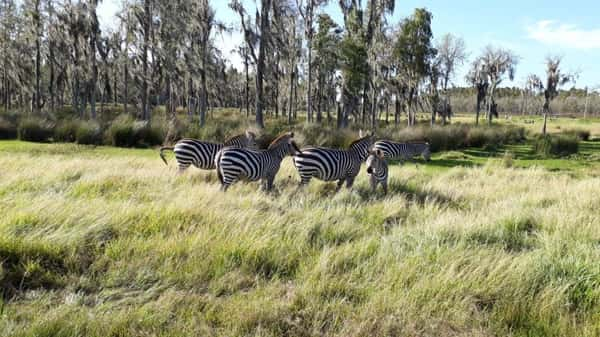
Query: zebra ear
x=250 y=134
x=291 y=134
x=379 y=153
x=360 y=133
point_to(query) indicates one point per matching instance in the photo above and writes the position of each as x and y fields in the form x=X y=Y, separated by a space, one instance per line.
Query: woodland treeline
x=54 y=55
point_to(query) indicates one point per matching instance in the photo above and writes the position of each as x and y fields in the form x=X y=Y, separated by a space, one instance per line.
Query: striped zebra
x=403 y=151
x=333 y=164
x=202 y=154
x=377 y=169
x=234 y=164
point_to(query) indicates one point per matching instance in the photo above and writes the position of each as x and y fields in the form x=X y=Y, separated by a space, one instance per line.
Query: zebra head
x=284 y=145
x=251 y=140
x=362 y=145
x=375 y=161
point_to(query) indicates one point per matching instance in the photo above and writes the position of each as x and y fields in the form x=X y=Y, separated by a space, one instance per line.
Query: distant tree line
x=54 y=54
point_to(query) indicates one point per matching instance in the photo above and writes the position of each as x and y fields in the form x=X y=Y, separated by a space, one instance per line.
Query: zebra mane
x=279 y=138
x=233 y=138
x=358 y=141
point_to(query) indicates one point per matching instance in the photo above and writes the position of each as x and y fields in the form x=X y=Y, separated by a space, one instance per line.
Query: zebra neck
x=277 y=151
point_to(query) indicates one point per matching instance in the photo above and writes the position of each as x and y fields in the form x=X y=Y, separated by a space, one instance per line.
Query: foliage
x=8 y=130
x=35 y=130
x=126 y=132
x=556 y=145
x=88 y=133
x=66 y=131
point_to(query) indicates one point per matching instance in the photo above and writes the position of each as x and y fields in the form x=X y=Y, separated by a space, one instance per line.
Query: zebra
x=333 y=164
x=202 y=154
x=403 y=151
x=377 y=169
x=234 y=164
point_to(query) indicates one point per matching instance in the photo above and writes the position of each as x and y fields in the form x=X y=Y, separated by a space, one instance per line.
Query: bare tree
x=555 y=78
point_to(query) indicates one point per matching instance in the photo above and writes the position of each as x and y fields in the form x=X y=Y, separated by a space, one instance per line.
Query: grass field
x=100 y=241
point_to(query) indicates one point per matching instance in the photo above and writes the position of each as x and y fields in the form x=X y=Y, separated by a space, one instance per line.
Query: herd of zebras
x=238 y=158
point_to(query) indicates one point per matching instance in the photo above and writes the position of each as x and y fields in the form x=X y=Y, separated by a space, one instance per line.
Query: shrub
x=88 y=133
x=66 y=131
x=8 y=130
x=125 y=132
x=145 y=135
x=579 y=133
x=35 y=130
x=557 y=145
x=120 y=132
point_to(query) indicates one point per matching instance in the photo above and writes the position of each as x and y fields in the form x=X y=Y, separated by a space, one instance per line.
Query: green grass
x=102 y=241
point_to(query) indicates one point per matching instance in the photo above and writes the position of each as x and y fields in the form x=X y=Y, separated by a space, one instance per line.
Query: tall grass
x=96 y=245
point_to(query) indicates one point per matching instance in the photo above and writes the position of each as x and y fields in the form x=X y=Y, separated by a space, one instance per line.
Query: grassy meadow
x=105 y=241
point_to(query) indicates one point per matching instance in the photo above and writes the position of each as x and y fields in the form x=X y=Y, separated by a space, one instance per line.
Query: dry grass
x=124 y=247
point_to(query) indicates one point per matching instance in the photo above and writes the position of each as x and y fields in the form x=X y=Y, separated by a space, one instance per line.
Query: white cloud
x=564 y=35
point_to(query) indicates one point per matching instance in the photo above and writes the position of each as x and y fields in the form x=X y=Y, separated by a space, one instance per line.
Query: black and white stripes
x=403 y=151
x=377 y=169
x=202 y=154
x=332 y=164
x=234 y=164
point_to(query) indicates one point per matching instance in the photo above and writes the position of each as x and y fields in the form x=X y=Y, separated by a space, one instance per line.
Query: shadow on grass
x=414 y=194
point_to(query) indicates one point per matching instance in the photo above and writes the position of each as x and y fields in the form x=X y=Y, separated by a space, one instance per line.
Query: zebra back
x=235 y=163
x=403 y=151
x=202 y=154
x=332 y=164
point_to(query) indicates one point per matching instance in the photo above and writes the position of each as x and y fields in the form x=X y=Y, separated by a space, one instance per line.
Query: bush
x=579 y=133
x=66 y=131
x=8 y=130
x=557 y=145
x=125 y=132
x=88 y=133
x=146 y=135
x=35 y=130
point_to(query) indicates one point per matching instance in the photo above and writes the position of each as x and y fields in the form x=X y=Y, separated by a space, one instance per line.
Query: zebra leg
x=304 y=180
x=181 y=167
x=269 y=182
x=373 y=182
x=385 y=186
x=349 y=182
x=339 y=184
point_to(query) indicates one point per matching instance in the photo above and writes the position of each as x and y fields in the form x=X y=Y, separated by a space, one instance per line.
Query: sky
x=533 y=30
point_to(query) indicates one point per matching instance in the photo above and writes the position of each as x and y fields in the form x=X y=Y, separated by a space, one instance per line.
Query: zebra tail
x=162 y=155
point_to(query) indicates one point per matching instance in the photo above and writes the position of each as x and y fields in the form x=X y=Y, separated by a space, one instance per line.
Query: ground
x=100 y=241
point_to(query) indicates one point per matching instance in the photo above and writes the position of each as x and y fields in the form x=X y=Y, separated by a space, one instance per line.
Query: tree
x=496 y=64
x=451 y=54
x=479 y=80
x=307 y=11
x=555 y=78
x=326 y=61
x=254 y=36
x=413 y=53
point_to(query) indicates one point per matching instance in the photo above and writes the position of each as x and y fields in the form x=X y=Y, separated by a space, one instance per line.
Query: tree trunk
x=247 y=87
x=309 y=115
x=204 y=90
x=291 y=96
x=145 y=47
x=260 y=66
x=546 y=110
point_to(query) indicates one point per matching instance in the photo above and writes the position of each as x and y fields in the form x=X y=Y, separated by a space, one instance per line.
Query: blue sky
x=531 y=30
